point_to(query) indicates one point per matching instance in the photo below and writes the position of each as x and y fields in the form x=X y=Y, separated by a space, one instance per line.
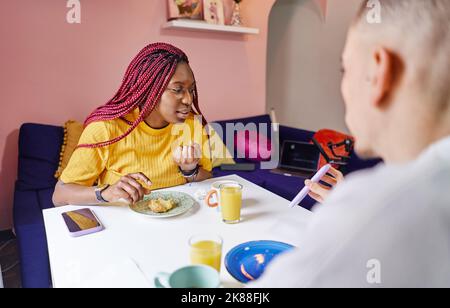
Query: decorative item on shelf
x=213 y=11
x=228 y=7
x=185 y=9
x=323 y=5
x=236 y=20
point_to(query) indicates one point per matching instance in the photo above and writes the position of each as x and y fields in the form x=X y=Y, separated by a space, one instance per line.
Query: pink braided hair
x=146 y=78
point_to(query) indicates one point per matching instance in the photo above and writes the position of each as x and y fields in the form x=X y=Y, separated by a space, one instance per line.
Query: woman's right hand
x=320 y=192
x=128 y=188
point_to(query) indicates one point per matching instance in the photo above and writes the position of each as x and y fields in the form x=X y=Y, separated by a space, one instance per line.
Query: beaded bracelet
x=189 y=174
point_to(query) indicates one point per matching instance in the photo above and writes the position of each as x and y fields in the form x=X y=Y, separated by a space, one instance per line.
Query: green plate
x=183 y=201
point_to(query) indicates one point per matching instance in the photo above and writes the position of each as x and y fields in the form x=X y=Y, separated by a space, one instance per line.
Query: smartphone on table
x=82 y=222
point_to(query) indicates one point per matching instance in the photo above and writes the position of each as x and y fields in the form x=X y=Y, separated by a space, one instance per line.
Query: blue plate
x=247 y=261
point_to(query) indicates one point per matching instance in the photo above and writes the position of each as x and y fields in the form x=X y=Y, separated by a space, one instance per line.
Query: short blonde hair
x=422 y=30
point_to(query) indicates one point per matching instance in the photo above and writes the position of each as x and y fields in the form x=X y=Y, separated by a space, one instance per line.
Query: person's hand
x=128 y=188
x=187 y=157
x=320 y=192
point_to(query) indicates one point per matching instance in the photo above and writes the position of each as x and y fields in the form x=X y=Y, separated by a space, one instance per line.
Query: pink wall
x=52 y=71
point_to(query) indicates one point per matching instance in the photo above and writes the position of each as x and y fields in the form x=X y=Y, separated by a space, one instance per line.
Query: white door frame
x=1 y=278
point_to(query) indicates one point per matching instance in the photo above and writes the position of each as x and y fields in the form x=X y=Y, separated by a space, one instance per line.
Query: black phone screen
x=300 y=156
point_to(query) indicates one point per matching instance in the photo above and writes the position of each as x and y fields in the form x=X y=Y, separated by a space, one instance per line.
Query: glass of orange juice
x=231 y=202
x=206 y=250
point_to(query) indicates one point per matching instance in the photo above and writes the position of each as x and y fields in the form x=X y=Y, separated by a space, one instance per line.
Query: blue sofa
x=39 y=148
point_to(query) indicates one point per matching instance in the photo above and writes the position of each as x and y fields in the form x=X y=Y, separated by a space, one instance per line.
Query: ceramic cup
x=213 y=197
x=189 y=277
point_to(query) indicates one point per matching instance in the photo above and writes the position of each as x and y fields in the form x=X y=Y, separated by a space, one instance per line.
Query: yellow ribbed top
x=145 y=150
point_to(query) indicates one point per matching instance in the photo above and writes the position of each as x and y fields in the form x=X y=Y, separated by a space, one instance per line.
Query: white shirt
x=385 y=227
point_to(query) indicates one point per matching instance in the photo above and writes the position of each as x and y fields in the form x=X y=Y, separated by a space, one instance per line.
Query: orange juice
x=231 y=202
x=207 y=253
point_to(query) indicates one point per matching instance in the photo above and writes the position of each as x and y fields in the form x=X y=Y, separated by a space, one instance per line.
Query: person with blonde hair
x=390 y=226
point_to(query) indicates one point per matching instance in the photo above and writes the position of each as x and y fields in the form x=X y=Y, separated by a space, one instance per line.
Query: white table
x=133 y=248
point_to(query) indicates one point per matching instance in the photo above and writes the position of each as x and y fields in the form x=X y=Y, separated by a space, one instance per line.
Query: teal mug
x=189 y=277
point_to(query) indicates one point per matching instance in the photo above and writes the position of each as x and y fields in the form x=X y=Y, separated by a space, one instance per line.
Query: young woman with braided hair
x=127 y=146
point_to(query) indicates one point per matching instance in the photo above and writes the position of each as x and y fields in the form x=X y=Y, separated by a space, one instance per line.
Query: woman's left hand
x=187 y=157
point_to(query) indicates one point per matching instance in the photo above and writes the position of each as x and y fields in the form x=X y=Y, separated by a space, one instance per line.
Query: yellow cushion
x=72 y=134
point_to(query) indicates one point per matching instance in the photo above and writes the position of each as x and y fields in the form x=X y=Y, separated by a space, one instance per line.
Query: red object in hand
x=337 y=146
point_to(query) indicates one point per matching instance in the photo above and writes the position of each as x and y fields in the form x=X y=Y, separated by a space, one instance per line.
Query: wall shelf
x=185 y=24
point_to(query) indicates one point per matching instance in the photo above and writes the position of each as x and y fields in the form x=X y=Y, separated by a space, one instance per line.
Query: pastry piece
x=161 y=206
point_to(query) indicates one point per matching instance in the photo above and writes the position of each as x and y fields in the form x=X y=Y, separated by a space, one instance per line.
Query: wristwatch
x=98 y=193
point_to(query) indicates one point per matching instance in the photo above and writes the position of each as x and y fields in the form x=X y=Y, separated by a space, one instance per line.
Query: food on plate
x=160 y=205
